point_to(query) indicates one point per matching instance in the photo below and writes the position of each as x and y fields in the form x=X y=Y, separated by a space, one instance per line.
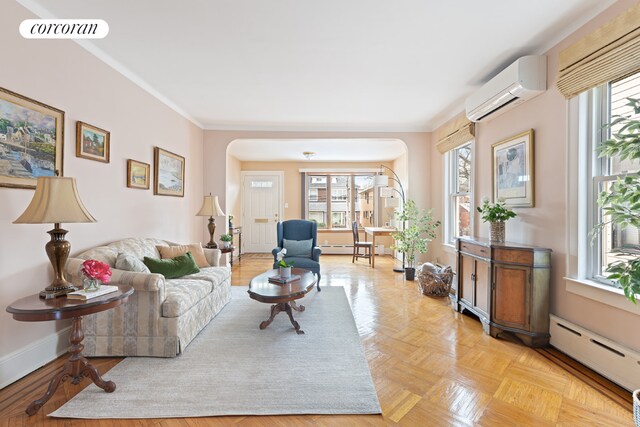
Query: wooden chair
x=357 y=244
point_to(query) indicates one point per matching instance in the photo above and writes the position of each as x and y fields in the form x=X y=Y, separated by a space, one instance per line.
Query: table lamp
x=56 y=200
x=211 y=207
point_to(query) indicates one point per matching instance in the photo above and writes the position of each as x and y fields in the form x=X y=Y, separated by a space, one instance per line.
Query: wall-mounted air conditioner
x=520 y=81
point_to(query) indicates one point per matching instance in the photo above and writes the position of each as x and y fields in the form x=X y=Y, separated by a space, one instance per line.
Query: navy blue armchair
x=297 y=232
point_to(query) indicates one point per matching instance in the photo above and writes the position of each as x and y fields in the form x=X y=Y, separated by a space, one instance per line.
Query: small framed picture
x=168 y=173
x=138 y=174
x=513 y=179
x=92 y=142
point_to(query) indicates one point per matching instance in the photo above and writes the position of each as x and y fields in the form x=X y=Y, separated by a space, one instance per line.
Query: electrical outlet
x=326 y=242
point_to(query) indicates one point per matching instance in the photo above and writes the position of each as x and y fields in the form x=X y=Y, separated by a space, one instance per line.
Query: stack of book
x=279 y=280
x=85 y=295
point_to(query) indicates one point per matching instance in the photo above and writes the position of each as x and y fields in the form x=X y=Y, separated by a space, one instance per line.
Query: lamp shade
x=210 y=207
x=380 y=180
x=56 y=200
x=392 y=202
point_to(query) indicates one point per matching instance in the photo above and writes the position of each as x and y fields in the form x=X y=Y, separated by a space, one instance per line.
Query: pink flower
x=96 y=270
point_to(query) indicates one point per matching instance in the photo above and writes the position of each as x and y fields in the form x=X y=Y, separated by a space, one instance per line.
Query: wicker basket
x=435 y=284
x=636 y=407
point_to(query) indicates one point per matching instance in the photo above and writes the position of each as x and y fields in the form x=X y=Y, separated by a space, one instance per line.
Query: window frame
x=351 y=198
x=586 y=114
x=451 y=194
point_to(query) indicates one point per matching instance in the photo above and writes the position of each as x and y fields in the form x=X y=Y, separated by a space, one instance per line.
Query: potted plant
x=284 y=266
x=419 y=229
x=226 y=240
x=620 y=204
x=496 y=215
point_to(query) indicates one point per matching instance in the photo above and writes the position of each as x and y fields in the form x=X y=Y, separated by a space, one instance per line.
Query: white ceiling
x=370 y=65
x=325 y=149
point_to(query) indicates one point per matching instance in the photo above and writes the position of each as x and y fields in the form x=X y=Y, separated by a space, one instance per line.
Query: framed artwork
x=92 y=142
x=512 y=170
x=31 y=140
x=138 y=174
x=168 y=171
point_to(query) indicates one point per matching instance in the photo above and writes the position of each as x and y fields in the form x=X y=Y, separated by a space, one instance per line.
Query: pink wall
x=64 y=75
x=216 y=143
x=544 y=225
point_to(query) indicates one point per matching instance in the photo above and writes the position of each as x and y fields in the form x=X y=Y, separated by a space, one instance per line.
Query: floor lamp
x=381 y=180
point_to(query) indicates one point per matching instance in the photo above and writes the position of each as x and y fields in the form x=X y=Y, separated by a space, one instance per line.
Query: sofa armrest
x=140 y=282
x=316 y=253
x=213 y=256
x=149 y=282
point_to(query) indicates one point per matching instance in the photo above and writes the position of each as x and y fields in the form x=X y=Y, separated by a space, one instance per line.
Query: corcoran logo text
x=64 y=29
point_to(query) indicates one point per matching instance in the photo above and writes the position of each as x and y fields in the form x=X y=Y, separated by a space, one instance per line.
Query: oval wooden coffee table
x=282 y=296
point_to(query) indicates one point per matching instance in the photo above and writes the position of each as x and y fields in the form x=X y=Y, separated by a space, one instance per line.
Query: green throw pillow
x=174 y=267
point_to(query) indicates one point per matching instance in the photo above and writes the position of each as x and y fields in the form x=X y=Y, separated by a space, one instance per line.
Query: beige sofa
x=162 y=316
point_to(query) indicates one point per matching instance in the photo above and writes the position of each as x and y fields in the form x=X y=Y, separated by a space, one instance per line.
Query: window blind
x=608 y=53
x=454 y=133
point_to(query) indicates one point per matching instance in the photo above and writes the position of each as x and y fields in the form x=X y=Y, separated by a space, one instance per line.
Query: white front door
x=261 y=210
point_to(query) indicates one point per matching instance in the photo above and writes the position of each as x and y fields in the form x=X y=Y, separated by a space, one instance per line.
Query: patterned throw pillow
x=196 y=250
x=298 y=248
x=129 y=262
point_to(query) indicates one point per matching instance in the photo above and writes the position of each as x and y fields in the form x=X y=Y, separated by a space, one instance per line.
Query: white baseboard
x=22 y=362
x=609 y=359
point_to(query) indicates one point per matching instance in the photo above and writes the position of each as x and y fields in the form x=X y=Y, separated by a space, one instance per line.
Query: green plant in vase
x=496 y=214
x=620 y=202
x=226 y=240
x=419 y=229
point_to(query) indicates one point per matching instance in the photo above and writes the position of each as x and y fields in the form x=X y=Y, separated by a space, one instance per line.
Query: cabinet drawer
x=477 y=250
x=513 y=255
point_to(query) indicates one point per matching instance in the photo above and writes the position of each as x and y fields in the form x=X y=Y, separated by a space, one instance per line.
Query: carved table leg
x=76 y=367
x=297 y=307
x=293 y=322
x=275 y=309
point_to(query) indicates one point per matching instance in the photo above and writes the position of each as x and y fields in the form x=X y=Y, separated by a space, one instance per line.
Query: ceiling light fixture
x=308 y=154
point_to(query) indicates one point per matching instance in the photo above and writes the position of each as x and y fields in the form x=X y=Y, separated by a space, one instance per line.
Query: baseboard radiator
x=346 y=249
x=618 y=363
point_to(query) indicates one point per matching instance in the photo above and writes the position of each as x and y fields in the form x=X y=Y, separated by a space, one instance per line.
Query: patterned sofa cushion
x=214 y=275
x=182 y=294
x=101 y=253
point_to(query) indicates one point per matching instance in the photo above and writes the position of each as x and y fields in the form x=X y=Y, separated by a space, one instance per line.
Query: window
x=459 y=192
x=605 y=102
x=351 y=199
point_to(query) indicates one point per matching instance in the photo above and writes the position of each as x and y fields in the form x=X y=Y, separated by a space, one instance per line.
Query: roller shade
x=454 y=133
x=608 y=53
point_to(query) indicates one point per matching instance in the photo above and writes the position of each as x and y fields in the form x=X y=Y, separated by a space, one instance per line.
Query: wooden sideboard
x=507 y=286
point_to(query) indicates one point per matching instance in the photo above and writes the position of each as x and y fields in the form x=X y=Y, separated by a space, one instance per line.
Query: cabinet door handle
x=473 y=277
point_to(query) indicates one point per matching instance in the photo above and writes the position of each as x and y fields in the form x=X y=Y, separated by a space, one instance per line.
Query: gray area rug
x=234 y=368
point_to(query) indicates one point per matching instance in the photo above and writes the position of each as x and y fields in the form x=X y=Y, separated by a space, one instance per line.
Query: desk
x=377 y=231
x=35 y=309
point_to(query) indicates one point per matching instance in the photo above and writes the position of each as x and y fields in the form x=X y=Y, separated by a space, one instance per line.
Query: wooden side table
x=35 y=309
x=228 y=250
x=236 y=231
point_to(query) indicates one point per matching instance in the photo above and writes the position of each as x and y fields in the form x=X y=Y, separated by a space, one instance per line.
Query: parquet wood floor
x=431 y=367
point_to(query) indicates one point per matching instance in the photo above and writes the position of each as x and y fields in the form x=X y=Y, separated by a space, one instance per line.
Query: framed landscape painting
x=138 y=174
x=513 y=179
x=92 y=142
x=31 y=140
x=168 y=173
